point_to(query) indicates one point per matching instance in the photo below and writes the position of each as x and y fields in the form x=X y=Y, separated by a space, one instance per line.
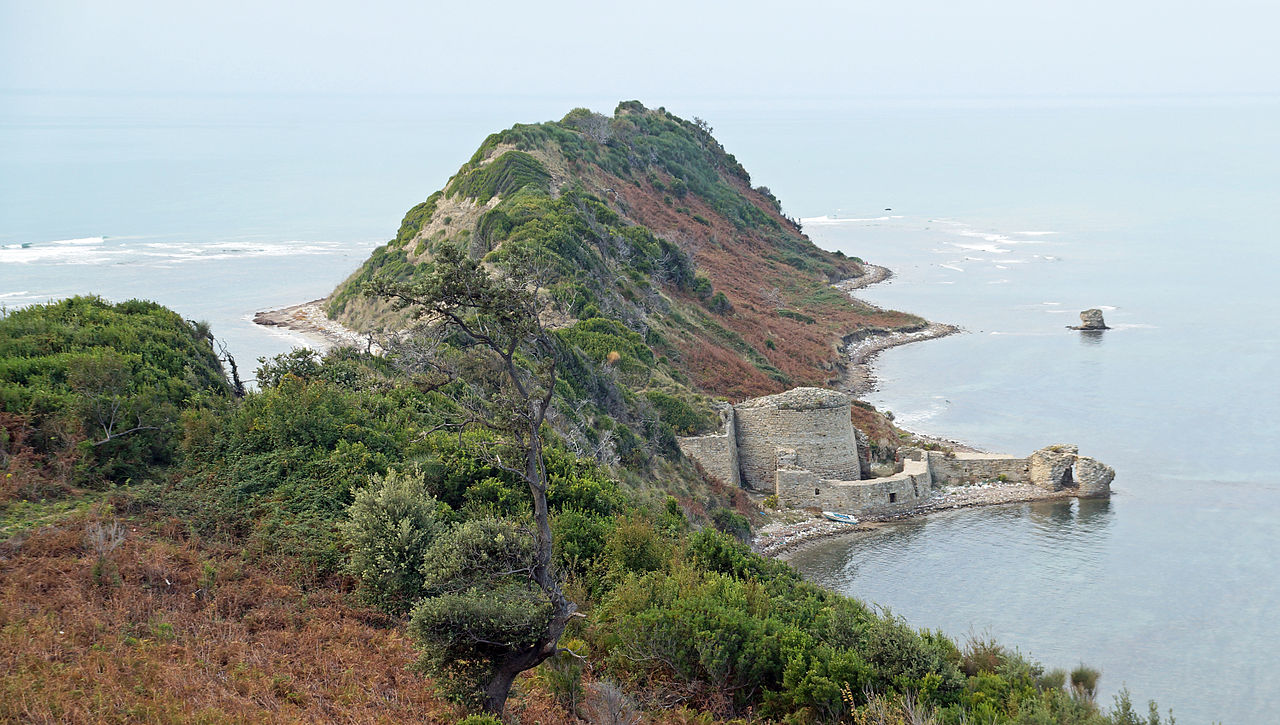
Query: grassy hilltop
x=646 y=220
x=331 y=548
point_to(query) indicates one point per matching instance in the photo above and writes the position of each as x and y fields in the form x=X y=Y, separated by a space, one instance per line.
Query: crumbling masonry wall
x=964 y=469
x=801 y=445
x=813 y=422
x=717 y=453
x=1057 y=468
x=798 y=488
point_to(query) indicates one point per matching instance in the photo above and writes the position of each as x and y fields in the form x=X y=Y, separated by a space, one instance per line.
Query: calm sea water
x=1004 y=217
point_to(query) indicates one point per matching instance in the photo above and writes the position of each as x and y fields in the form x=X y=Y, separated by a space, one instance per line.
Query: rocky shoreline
x=310 y=320
x=861 y=348
x=783 y=537
x=791 y=531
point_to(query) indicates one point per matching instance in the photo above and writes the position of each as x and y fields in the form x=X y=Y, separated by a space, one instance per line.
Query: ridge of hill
x=642 y=218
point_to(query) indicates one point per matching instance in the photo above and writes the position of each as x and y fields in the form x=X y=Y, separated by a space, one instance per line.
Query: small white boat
x=842 y=518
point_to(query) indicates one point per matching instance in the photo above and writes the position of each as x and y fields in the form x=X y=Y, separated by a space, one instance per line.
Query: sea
x=1006 y=217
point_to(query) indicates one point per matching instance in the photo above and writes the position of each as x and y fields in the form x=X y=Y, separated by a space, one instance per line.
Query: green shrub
x=479 y=607
x=701 y=287
x=414 y=220
x=580 y=540
x=797 y=316
x=1054 y=679
x=635 y=546
x=392 y=522
x=683 y=418
x=982 y=654
x=105 y=383
x=732 y=523
x=1084 y=680
x=563 y=673
x=510 y=172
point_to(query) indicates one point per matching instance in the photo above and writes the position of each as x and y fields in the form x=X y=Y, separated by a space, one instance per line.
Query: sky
x=673 y=49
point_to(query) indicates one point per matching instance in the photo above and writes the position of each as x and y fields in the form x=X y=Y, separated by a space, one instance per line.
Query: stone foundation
x=1056 y=468
x=798 y=488
x=962 y=469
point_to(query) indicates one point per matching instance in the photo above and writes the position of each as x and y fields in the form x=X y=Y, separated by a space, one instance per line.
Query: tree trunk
x=496 y=692
x=499 y=687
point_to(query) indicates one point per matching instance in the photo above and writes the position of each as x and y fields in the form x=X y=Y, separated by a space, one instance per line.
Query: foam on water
x=992 y=248
x=827 y=220
x=113 y=250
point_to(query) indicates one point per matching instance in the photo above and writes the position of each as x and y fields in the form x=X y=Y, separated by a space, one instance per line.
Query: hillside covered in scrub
x=491 y=516
x=642 y=219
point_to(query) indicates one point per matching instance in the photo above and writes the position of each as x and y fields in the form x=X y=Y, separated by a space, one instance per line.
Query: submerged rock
x=1091 y=319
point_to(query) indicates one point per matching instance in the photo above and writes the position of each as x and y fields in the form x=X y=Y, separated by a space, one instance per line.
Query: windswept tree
x=500 y=612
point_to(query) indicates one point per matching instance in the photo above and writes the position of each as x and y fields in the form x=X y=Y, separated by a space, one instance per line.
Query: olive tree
x=487 y=618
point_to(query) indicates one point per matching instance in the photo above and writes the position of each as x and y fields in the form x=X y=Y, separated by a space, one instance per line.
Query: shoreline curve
x=861 y=348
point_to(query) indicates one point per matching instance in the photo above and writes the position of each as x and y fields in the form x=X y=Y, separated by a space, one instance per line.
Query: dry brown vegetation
x=167 y=628
x=164 y=630
x=744 y=266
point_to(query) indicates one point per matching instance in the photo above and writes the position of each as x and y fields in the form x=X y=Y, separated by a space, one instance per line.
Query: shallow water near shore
x=1006 y=218
x=1170 y=587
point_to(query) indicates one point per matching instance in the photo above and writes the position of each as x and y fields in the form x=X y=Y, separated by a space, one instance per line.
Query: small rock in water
x=1091 y=320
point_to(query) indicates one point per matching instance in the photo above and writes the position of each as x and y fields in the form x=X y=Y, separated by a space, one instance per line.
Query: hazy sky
x=647 y=48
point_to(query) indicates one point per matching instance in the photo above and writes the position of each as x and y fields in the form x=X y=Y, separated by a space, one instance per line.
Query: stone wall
x=1053 y=468
x=813 y=422
x=718 y=453
x=966 y=469
x=799 y=488
x=801 y=445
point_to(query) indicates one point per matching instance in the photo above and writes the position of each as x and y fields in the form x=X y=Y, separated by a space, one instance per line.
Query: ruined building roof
x=800 y=399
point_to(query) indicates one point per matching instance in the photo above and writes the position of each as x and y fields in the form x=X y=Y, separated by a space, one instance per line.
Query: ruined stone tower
x=812 y=422
x=801 y=446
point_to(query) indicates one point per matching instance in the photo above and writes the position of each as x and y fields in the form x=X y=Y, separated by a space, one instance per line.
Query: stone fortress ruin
x=802 y=446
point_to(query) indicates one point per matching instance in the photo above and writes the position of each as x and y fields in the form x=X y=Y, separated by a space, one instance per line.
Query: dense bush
x=719 y=304
x=606 y=341
x=109 y=380
x=479 y=604
x=683 y=418
x=506 y=174
x=747 y=632
x=392 y=523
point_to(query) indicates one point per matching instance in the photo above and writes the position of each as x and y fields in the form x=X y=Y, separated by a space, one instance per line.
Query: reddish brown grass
x=739 y=263
x=169 y=631
x=166 y=632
